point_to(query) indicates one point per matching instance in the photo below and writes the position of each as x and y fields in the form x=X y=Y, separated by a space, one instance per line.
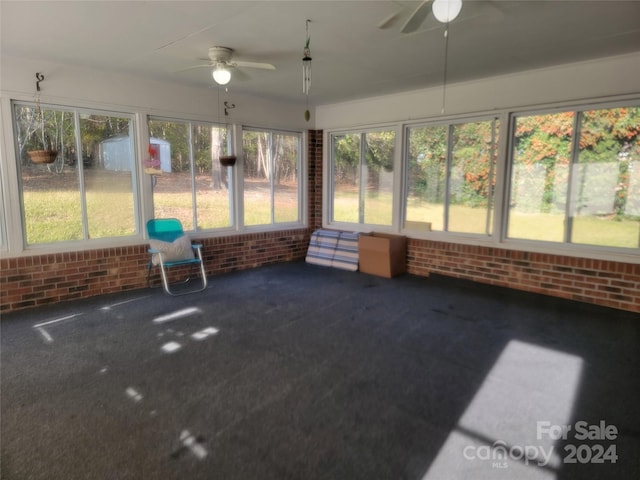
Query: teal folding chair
x=170 y=247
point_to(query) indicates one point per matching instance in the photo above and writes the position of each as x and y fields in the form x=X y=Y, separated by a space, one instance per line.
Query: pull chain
x=444 y=77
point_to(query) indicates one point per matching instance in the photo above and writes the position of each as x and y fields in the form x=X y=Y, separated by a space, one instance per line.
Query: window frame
x=501 y=192
x=232 y=181
x=564 y=247
x=492 y=202
x=4 y=241
x=302 y=194
x=4 y=191
x=14 y=243
x=86 y=242
x=329 y=183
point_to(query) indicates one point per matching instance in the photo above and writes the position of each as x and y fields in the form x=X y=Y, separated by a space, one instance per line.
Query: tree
x=607 y=135
x=218 y=173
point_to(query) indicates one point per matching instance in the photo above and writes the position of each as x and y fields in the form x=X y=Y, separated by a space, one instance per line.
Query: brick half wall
x=46 y=279
x=600 y=282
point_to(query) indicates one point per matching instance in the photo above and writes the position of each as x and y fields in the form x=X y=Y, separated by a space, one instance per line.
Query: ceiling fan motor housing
x=220 y=54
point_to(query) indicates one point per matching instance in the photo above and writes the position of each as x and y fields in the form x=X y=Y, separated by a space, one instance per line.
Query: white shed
x=164 y=150
x=116 y=153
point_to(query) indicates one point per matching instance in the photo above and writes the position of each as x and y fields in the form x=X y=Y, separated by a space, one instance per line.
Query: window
x=451 y=177
x=272 y=177
x=88 y=190
x=188 y=181
x=362 y=177
x=3 y=225
x=575 y=177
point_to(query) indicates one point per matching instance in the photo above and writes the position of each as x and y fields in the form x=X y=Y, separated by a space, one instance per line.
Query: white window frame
x=86 y=242
x=329 y=184
x=302 y=196
x=450 y=125
x=233 y=187
x=502 y=184
x=564 y=247
x=4 y=246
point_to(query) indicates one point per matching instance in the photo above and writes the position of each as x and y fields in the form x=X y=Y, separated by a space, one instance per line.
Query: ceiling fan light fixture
x=446 y=11
x=221 y=75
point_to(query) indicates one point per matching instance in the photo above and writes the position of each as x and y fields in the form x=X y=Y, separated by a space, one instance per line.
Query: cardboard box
x=417 y=226
x=382 y=254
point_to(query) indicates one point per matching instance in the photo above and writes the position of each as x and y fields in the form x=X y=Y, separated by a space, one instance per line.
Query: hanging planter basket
x=43 y=156
x=228 y=160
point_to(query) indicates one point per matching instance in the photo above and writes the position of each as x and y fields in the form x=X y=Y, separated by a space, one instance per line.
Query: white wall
x=73 y=85
x=607 y=77
x=77 y=85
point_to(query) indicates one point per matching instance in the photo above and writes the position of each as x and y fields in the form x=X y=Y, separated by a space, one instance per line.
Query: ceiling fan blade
x=263 y=66
x=240 y=75
x=388 y=21
x=196 y=66
x=417 y=17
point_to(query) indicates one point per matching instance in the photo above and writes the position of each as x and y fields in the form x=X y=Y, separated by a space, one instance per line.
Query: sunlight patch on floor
x=185 y=312
x=133 y=394
x=44 y=333
x=171 y=347
x=193 y=445
x=204 y=333
x=117 y=304
x=497 y=436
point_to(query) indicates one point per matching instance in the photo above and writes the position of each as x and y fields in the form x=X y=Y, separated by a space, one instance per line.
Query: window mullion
x=447 y=186
x=81 y=184
x=571 y=201
x=490 y=192
x=302 y=204
x=231 y=177
x=505 y=184
x=192 y=172
x=237 y=202
x=272 y=170
x=362 y=188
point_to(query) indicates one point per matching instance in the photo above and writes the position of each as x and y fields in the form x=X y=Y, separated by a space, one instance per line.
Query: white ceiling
x=352 y=57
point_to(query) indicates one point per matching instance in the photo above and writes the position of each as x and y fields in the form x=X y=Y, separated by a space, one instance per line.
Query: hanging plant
x=227 y=160
x=230 y=159
x=48 y=153
x=43 y=156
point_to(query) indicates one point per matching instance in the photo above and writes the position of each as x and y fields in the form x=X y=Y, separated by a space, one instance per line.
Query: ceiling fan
x=221 y=63
x=444 y=11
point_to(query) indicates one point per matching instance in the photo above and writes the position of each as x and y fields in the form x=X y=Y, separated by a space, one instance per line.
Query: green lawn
x=462 y=219
x=586 y=230
x=54 y=215
x=378 y=208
